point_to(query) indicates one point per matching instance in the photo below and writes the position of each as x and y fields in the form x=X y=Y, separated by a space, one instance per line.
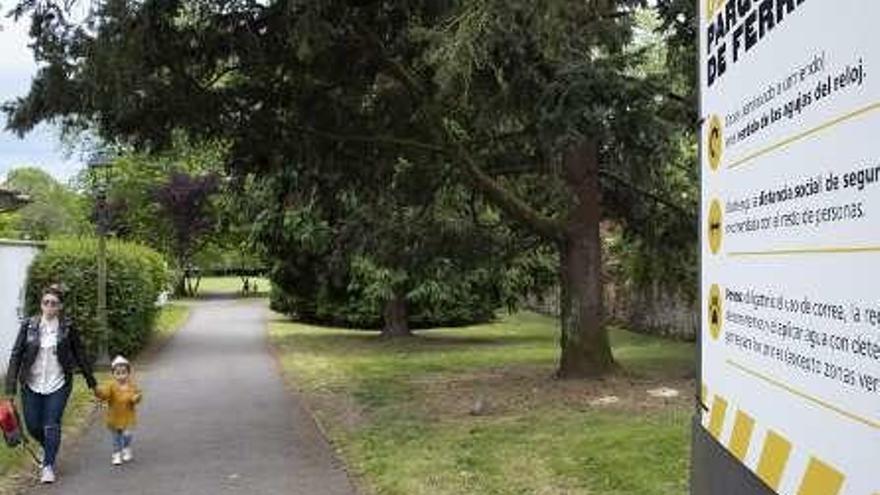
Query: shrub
x=135 y=277
x=445 y=295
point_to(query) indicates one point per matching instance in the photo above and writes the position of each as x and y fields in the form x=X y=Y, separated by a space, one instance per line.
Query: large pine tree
x=540 y=106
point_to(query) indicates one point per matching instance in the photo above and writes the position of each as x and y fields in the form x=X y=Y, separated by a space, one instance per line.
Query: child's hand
x=101 y=392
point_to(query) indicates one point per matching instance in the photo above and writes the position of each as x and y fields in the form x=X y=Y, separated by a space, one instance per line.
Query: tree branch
x=397 y=71
x=686 y=102
x=648 y=194
x=509 y=202
x=386 y=140
x=216 y=77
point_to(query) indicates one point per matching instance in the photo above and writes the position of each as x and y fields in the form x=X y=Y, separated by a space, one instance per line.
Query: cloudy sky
x=40 y=148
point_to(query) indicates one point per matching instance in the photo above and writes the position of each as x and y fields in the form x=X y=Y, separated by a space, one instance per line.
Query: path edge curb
x=293 y=389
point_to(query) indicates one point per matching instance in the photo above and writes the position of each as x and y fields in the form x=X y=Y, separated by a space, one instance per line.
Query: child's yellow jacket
x=121 y=400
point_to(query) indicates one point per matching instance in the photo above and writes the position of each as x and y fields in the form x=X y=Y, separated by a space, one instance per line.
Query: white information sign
x=790 y=163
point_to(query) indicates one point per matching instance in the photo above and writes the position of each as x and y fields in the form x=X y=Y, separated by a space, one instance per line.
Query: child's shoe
x=116 y=459
x=127 y=454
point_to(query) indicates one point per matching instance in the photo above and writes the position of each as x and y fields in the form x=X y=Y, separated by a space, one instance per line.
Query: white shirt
x=46 y=374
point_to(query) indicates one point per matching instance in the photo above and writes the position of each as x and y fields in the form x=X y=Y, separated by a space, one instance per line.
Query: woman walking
x=46 y=353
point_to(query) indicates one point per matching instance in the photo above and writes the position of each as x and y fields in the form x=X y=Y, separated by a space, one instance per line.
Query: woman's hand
x=101 y=392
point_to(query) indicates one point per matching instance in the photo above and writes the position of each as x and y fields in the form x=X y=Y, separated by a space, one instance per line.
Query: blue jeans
x=42 y=415
x=121 y=439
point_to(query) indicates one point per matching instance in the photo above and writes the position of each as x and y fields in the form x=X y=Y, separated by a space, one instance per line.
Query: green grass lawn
x=14 y=463
x=170 y=319
x=401 y=413
x=229 y=285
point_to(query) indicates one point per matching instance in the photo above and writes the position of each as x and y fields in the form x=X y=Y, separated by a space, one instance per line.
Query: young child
x=121 y=395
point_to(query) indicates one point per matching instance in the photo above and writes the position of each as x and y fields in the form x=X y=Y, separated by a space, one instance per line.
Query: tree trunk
x=586 y=351
x=396 y=319
x=584 y=340
x=180 y=287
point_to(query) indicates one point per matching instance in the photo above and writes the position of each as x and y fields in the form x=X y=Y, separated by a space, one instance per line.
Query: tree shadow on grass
x=638 y=355
x=337 y=341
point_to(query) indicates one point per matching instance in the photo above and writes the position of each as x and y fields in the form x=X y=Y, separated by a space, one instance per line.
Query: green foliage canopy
x=55 y=210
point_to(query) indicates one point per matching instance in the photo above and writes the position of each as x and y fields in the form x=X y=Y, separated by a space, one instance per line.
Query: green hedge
x=136 y=275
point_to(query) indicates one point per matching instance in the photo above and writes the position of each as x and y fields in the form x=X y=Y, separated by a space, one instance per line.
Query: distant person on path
x=121 y=395
x=46 y=353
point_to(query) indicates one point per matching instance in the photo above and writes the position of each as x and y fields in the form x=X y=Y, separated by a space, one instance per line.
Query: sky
x=42 y=146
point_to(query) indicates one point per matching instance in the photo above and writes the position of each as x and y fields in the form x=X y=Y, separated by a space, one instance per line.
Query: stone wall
x=654 y=310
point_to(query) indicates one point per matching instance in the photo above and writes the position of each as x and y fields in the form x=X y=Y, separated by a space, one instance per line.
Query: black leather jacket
x=71 y=354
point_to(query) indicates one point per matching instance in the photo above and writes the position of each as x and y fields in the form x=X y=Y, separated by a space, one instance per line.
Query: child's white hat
x=120 y=361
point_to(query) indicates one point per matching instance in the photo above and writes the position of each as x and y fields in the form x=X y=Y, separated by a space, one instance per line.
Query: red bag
x=10 y=423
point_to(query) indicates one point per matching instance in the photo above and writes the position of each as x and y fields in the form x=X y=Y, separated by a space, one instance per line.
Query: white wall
x=15 y=257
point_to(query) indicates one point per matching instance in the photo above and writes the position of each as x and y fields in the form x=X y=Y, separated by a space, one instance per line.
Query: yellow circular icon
x=715 y=226
x=714 y=143
x=715 y=311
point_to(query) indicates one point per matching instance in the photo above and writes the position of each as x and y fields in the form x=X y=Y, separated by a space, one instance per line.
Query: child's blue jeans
x=121 y=439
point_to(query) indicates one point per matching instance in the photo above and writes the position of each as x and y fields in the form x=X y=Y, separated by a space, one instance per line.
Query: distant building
x=12 y=200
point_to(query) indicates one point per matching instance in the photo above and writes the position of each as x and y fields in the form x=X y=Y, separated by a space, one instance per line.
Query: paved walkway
x=216 y=419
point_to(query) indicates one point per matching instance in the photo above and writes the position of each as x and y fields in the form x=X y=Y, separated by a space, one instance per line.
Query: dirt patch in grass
x=518 y=390
x=340 y=409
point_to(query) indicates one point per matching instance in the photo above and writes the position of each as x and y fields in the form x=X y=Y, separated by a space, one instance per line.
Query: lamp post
x=99 y=165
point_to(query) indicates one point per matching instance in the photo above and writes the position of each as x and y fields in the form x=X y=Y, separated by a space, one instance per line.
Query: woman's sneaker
x=47 y=475
x=116 y=459
x=127 y=454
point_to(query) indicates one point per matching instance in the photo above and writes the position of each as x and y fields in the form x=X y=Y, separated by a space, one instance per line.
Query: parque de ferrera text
x=739 y=27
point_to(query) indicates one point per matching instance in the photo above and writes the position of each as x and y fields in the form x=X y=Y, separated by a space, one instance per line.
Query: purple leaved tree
x=185 y=204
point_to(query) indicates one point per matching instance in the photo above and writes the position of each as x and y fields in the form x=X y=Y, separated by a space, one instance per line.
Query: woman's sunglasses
x=51 y=303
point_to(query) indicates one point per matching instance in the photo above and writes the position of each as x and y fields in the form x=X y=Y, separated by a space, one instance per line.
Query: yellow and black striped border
x=774 y=461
